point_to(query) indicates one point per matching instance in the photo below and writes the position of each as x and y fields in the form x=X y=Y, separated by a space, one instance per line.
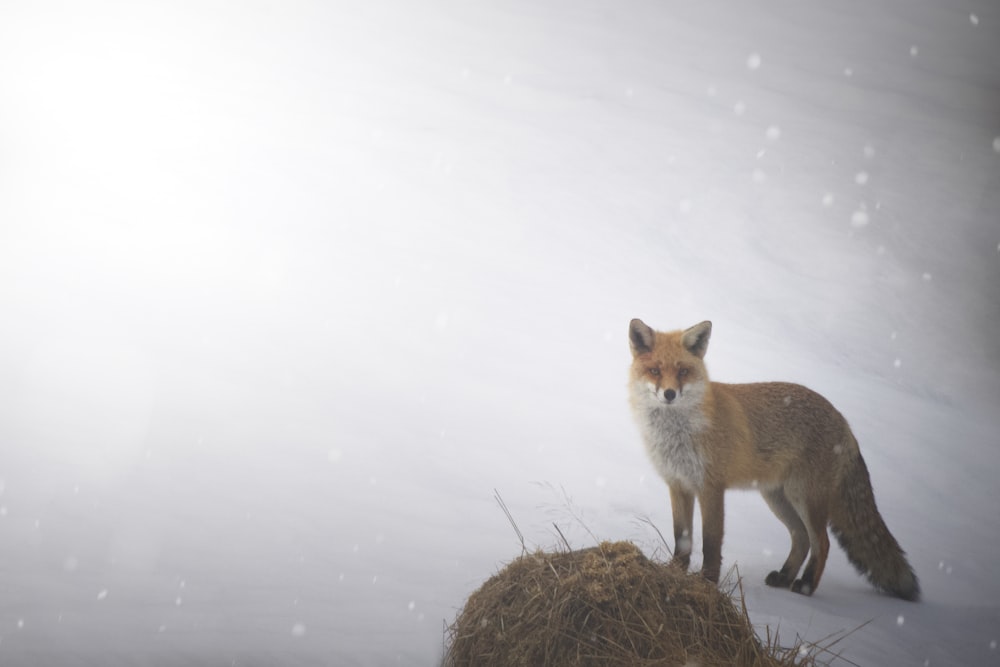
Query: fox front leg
x=682 y=507
x=712 y=523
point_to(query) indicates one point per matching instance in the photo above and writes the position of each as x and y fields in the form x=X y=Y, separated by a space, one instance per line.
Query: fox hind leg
x=785 y=511
x=817 y=517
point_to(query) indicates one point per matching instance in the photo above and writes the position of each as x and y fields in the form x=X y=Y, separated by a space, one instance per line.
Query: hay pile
x=608 y=606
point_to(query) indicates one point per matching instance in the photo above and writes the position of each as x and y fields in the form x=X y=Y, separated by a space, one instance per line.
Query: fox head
x=668 y=368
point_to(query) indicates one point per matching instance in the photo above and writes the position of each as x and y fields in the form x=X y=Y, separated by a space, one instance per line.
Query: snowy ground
x=287 y=291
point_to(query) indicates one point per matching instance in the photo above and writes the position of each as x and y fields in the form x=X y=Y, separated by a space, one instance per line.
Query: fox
x=782 y=439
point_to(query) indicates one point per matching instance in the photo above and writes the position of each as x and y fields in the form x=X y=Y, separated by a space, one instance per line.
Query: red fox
x=783 y=439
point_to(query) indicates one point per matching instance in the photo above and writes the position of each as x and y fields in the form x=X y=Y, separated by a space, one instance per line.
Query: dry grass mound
x=607 y=606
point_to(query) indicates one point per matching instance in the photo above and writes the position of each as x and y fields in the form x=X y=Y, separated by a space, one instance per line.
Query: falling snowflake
x=973 y=19
x=859 y=218
x=298 y=630
x=944 y=567
x=861 y=178
x=103 y=594
x=754 y=61
x=773 y=133
x=827 y=199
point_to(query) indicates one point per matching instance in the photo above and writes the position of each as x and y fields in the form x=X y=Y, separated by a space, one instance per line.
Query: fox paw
x=778 y=579
x=681 y=562
x=802 y=586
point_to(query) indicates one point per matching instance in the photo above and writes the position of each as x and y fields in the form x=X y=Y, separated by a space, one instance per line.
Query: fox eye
x=682 y=372
x=654 y=371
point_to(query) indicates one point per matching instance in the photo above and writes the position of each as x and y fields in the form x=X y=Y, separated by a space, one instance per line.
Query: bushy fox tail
x=862 y=533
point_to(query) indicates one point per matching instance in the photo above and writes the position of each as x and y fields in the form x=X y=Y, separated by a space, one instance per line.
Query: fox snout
x=665 y=395
x=677 y=395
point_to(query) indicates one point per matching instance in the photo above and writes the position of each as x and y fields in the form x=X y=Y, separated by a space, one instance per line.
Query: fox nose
x=669 y=395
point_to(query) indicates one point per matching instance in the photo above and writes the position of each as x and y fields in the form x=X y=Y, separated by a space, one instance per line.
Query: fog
x=288 y=293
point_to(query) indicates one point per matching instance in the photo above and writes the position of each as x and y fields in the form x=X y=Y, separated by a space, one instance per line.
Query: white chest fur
x=669 y=432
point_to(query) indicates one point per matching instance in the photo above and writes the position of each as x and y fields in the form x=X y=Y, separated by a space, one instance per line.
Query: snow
x=286 y=294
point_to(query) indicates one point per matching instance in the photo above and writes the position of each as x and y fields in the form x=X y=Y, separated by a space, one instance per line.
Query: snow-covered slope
x=287 y=292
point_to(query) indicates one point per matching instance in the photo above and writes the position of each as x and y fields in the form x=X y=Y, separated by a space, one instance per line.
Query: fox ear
x=695 y=339
x=640 y=336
